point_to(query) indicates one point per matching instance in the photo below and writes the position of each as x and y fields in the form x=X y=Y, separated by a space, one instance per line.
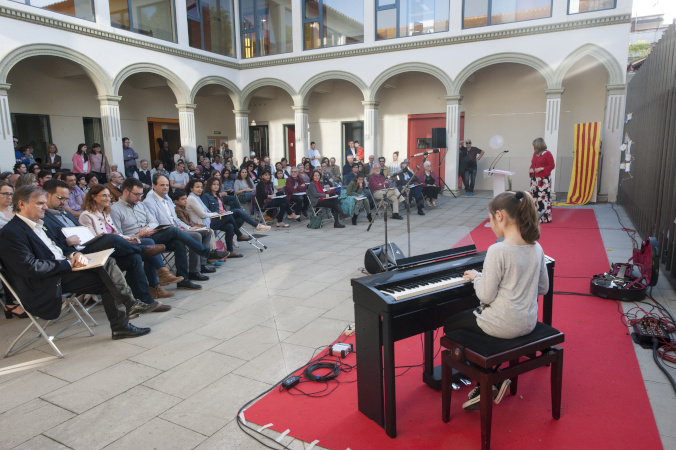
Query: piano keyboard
x=415 y=288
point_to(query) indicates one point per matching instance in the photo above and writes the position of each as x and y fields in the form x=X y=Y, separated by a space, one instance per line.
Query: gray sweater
x=513 y=277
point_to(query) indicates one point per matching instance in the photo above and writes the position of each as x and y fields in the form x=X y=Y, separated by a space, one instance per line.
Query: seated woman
x=430 y=191
x=279 y=182
x=318 y=198
x=244 y=187
x=91 y=180
x=514 y=274
x=295 y=190
x=96 y=216
x=158 y=167
x=265 y=194
x=304 y=175
x=356 y=189
x=217 y=163
x=180 y=199
x=251 y=172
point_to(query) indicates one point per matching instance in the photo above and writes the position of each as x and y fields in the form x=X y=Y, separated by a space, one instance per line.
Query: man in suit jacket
x=114 y=184
x=40 y=271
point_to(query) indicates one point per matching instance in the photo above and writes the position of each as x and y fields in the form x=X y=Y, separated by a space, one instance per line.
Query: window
x=148 y=17
x=328 y=23
x=399 y=18
x=82 y=9
x=93 y=132
x=211 y=26
x=479 y=13
x=265 y=27
x=580 y=6
x=33 y=130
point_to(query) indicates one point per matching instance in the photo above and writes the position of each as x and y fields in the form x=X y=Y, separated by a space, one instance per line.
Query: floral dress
x=540 y=184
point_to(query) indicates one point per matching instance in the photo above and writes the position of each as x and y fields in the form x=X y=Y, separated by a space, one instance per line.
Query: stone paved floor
x=258 y=319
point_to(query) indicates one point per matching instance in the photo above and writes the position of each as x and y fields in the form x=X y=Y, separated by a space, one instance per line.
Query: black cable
x=663 y=369
x=630 y=232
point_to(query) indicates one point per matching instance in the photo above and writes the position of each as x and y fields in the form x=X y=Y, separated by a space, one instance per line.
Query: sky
x=648 y=7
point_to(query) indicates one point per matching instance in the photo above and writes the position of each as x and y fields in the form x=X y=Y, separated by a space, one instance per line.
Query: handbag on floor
x=315 y=222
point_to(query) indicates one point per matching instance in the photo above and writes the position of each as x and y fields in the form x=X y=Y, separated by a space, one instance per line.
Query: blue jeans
x=470 y=178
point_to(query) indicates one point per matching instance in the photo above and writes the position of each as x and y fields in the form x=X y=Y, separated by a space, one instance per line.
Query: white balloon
x=496 y=142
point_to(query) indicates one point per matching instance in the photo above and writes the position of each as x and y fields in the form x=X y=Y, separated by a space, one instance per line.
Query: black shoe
x=187 y=284
x=197 y=276
x=369 y=218
x=217 y=255
x=354 y=220
x=206 y=269
x=397 y=216
x=141 y=308
x=421 y=212
x=338 y=225
x=129 y=331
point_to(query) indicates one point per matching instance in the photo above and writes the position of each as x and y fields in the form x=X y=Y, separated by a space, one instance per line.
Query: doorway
x=33 y=130
x=290 y=144
x=352 y=131
x=258 y=140
x=166 y=130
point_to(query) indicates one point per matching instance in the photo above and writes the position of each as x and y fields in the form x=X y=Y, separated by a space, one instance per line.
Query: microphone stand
x=495 y=162
x=441 y=180
x=408 y=202
x=375 y=214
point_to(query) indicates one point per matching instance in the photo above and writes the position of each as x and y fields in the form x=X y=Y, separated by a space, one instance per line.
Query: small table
x=498 y=179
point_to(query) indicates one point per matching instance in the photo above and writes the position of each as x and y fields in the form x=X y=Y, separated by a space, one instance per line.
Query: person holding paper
x=265 y=194
x=402 y=178
x=380 y=188
x=295 y=190
x=430 y=189
x=541 y=168
x=356 y=189
x=41 y=271
x=319 y=198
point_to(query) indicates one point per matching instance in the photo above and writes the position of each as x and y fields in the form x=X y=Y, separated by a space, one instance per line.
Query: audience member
x=43 y=175
x=356 y=189
x=296 y=193
x=395 y=165
x=52 y=160
x=34 y=168
x=180 y=156
x=20 y=168
x=318 y=198
x=179 y=178
x=359 y=150
x=81 y=160
x=368 y=167
x=265 y=195
x=347 y=168
x=6 y=211
x=115 y=186
x=384 y=170
x=99 y=163
x=428 y=179
x=158 y=167
x=335 y=170
x=76 y=195
x=130 y=157
x=144 y=175
x=217 y=165
x=406 y=179
x=17 y=150
x=25 y=180
x=12 y=178
x=381 y=188
x=91 y=180
x=215 y=203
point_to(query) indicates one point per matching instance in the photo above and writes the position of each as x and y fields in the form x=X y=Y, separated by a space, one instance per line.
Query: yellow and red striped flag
x=585 y=164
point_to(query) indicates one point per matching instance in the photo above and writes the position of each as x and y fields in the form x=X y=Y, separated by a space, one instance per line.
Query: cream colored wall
x=136 y=106
x=339 y=102
x=506 y=100
x=411 y=93
x=65 y=100
x=583 y=101
x=214 y=113
x=275 y=113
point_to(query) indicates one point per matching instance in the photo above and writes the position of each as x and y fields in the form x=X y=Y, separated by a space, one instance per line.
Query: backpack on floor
x=315 y=222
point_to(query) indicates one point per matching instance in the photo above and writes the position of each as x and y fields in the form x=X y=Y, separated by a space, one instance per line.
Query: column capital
x=453 y=99
x=109 y=99
x=554 y=93
x=241 y=112
x=616 y=89
x=370 y=104
x=300 y=109
x=186 y=107
x=5 y=86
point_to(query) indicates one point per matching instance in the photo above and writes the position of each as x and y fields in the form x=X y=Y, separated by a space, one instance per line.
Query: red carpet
x=604 y=400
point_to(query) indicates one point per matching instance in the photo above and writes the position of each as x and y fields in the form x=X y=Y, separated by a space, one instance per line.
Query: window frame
x=490 y=10
x=396 y=6
x=131 y=29
x=201 y=22
x=320 y=20
x=586 y=12
x=257 y=29
x=93 y=3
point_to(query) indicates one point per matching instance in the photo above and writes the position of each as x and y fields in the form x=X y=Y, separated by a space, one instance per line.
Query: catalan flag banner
x=585 y=164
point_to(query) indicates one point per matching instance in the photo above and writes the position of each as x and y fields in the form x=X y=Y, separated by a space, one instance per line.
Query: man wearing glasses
x=468 y=158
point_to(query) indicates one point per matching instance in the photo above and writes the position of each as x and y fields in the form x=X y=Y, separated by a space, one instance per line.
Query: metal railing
x=648 y=190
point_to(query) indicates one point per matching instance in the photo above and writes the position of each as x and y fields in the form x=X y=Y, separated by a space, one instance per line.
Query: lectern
x=498 y=179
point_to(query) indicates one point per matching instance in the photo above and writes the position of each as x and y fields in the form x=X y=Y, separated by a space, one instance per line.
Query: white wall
x=275 y=113
x=214 y=113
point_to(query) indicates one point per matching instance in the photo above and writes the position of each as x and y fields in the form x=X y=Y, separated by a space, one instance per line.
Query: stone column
x=7 y=158
x=241 y=133
x=370 y=143
x=613 y=125
x=452 y=140
x=186 y=123
x=302 y=129
x=552 y=119
x=112 y=128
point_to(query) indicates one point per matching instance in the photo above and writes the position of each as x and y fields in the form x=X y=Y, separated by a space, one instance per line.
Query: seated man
x=136 y=259
x=335 y=170
x=133 y=218
x=114 y=184
x=381 y=188
x=328 y=179
x=406 y=176
x=159 y=204
x=384 y=170
x=352 y=175
x=347 y=168
x=40 y=271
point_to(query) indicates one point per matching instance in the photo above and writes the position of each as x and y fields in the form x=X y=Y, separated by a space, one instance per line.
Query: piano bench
x=476 y=356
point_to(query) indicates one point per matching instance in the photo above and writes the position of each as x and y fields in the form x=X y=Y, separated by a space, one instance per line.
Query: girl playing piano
x=514 y=274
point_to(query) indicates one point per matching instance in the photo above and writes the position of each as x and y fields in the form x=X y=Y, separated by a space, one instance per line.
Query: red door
x=291 y=143
x=420 y=139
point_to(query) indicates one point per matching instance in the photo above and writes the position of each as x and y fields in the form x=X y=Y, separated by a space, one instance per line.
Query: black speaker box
x=439 y=137
x=374 y=259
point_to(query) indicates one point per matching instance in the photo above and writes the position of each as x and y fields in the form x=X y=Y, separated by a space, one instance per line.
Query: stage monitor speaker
x=374 y=259
x=438 y=137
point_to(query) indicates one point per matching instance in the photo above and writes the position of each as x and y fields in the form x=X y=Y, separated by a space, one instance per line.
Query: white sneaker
x=497 y=398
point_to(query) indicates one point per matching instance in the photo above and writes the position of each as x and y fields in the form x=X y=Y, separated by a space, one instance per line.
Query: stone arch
x=96 y=74
x=306 y=89
x=409 y=67
x=500 y=58
x=615 y=71
x=175 y=83
x=247 y=92
x=233 y=91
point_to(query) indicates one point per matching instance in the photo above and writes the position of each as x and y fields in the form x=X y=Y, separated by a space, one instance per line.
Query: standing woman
x=81 y=160
x=99 y=163
x=541 y=168
x=52 y=161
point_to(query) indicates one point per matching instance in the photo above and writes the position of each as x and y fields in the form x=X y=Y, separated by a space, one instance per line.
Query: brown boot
x=167 y=277
x=157 y=292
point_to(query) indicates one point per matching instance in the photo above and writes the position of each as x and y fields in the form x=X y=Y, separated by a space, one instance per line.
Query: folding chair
x=327 y=211
x=169 y=261
x=261 y=212
x=69 y=305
